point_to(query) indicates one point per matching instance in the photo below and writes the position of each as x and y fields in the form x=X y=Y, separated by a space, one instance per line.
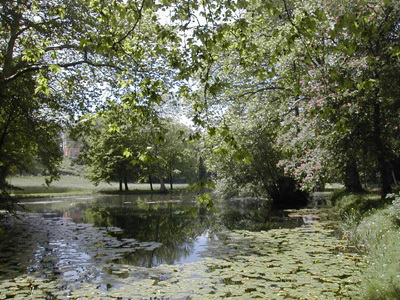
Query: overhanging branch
x=139 y=17
x=268 y=88
x=37 y=67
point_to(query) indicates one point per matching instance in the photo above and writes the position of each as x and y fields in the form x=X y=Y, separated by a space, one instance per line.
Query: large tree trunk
x=201 y=172
x=352 y=180
x=15 y=29
x=383 y=166
x=163 y=188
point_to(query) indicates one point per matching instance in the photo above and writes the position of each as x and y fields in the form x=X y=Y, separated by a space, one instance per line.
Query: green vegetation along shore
x=373 y=228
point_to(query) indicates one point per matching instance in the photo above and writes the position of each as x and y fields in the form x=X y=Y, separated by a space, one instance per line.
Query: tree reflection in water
x=182 y=228
x=175 y=227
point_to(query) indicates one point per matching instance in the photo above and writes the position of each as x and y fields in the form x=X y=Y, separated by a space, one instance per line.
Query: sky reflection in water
x=179 y=227
x=81 y=237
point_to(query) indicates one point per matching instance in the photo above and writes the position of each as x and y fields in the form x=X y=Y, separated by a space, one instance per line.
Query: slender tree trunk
x=394 y=178
x=352 y=180
x=151 y=183
x=120 y=185
x=3 y=182
x=163 y=188
x=126 y=183
x=201 y=172
x=170 y=181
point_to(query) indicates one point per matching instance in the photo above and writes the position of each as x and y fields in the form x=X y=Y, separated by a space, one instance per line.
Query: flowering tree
x=347 y=107
x=329 y=72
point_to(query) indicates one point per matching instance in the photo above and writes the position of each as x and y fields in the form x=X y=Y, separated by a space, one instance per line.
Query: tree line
x=285 y=94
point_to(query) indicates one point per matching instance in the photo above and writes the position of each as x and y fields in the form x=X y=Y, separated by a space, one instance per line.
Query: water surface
x=140 y=246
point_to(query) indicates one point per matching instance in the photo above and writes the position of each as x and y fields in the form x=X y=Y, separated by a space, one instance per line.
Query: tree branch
x=139 y=17
x=61 y=47
x=316 y=61
x=268 y=88
x=37 y=67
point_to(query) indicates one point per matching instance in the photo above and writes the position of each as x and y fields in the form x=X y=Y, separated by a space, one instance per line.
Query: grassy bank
x=373 y=227
x=34 y=186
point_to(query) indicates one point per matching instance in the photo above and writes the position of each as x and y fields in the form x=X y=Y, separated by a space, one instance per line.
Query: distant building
x=71 y=148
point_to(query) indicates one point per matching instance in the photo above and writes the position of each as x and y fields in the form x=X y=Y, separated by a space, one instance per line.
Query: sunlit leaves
x=42 y=85
x=33 y=55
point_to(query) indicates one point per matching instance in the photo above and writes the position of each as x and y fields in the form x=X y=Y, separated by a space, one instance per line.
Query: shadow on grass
x=360 y=202
x=141 y=192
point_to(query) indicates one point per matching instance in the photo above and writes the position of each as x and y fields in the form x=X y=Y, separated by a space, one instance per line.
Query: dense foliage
x=125 y=143
x=303 y=90
x=325 y=76
x=60 y=58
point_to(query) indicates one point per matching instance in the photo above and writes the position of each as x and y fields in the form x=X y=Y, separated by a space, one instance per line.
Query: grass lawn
x=35 y=186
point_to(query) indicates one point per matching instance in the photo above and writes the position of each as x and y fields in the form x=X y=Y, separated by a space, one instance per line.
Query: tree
x=125 y=142
x=28 y=131
x=112 y=144
x=175 y=153
x=348 y=92
x=332 y=68
x=70 y=53
x=237 y=84
x=250 y=165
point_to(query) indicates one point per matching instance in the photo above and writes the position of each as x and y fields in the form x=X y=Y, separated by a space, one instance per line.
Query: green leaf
x=127 y=153
x=206 y=199
x=42 y=85
x=55 y=68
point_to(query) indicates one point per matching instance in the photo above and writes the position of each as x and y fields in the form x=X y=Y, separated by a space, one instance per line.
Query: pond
x=170 y=247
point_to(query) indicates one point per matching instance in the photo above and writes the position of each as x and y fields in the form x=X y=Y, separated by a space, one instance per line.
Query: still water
x=175 y=228
x=103 y=244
